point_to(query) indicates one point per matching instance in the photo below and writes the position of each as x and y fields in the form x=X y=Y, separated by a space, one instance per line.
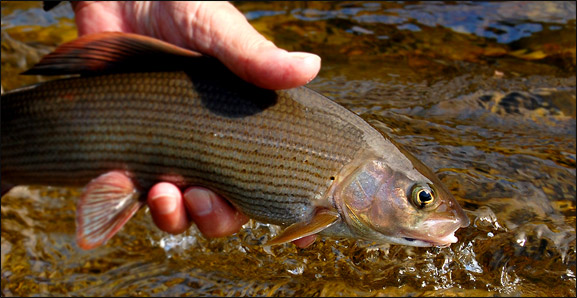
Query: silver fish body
x=272 y=153
x=278 y=156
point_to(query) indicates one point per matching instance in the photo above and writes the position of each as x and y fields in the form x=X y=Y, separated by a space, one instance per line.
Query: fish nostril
x=409 y=239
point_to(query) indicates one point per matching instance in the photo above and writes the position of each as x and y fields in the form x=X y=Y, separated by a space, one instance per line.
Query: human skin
x=217 y=29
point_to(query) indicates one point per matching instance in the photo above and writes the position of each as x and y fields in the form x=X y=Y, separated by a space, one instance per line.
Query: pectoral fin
x=107 y=203
x=322 y=219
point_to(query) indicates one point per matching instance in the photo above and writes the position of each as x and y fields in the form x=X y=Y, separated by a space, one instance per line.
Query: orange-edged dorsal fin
x=322 y=219
x=107 y=203
x=113 y=52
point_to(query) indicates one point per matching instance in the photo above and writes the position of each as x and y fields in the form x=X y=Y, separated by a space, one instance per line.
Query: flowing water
x=482 y=92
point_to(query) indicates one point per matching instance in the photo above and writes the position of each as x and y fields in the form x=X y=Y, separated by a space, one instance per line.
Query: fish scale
x=279 y=159
x=288 y=157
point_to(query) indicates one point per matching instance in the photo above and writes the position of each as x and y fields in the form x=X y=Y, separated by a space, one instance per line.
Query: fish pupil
x=425 y=197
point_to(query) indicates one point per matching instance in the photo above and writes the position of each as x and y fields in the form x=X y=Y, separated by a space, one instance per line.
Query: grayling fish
x=146 y=111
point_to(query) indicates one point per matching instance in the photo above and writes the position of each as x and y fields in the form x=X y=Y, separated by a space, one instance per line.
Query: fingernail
x=310 y=64
x=199 y=201
x=164 y=204
x=307 y=57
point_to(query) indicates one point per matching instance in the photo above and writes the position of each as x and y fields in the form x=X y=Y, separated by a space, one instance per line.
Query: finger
x=99 y=16
x=220 y=30
x=213 y=216
x=251 y=56
x=271 y=67
x=167 y=209
x=305 y=241
x=214 y=28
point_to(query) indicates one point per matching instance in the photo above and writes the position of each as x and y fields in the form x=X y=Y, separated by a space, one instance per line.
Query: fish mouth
x=444 y=241
x=445 y=233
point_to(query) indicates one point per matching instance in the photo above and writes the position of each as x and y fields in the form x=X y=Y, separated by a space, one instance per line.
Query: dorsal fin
x=114 y=52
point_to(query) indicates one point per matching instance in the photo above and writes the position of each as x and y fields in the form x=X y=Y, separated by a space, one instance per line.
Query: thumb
x=224 y=33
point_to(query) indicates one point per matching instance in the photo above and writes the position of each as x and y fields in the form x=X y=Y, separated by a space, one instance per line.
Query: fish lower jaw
x=441 y=242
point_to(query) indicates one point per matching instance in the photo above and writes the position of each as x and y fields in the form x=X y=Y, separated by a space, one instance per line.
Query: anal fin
x=107 y=203
x=322 y=219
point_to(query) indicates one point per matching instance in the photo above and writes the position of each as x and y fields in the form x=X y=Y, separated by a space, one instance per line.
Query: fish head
x=403 y=203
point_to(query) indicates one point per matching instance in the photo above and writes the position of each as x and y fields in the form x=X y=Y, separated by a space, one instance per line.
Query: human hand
x=217 y=29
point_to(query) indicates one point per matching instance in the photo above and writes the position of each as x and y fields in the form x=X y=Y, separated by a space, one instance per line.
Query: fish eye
x=422 y=196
